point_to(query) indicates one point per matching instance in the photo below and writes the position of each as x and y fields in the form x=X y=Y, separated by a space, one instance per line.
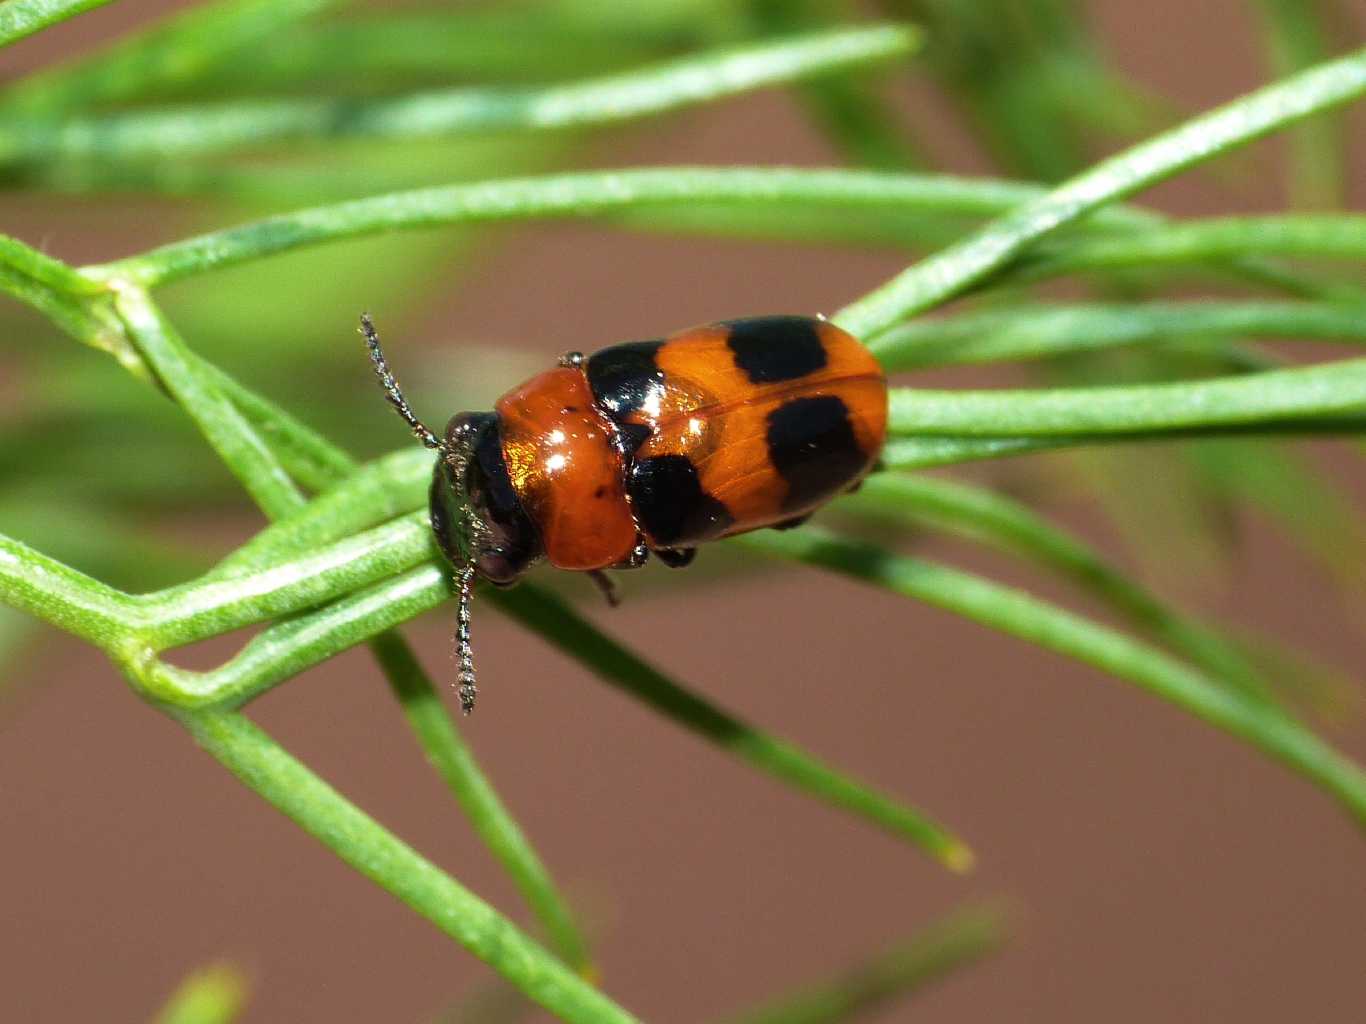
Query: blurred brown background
x=1158 y=869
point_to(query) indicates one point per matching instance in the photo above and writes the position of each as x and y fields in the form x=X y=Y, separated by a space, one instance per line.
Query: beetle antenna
x=463 y=651
x=391 y=389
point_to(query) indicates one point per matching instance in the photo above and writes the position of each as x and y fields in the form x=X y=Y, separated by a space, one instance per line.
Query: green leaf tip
x=958 y=858
x=215 y=994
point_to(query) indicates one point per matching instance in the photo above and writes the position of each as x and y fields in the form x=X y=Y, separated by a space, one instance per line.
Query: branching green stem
x=957 y=268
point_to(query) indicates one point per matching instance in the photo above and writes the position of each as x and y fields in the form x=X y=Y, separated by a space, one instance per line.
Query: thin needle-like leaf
x=182 y=131
x=1329 y=390
x=957 y=268
x=217 y=418
x=266 y=768
x=959 y=939
x=1309 y=236
x=1038 y=331
x=1298 y=38
x=454 y=762
x=558 y=622
x=986 y=516
x=1014 y=612
x=583 y=194
x=173 y=51
x=20 y=18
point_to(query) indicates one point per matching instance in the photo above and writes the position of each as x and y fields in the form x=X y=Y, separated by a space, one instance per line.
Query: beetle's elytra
x=650 y=447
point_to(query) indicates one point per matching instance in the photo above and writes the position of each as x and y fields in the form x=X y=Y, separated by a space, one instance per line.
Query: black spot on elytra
x=771 y=349
x=671 y=506
x=624 y=376
x=599 y=492
x=631 y=436
x=812 y=445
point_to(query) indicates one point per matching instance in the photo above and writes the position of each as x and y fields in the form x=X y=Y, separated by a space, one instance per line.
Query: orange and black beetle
x=650 y=446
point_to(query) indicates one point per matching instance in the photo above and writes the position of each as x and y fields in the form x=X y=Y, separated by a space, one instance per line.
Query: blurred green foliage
x=248 y=110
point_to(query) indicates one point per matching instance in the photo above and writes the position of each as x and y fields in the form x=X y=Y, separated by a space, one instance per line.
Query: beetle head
x=476 y=515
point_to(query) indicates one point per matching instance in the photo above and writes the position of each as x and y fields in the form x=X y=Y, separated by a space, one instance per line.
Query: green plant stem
x=289 y=647
x=534 y=42
x=559 y=623
x=581 y=194
x=985 y=516
x=293 y=645
x=201 y=609
x=209 y=608
x=957 y=940
x=1014 y=612
x=930 y=451
x=1037 y=331
x=60 y=595
x=43 y=269
x=1332 y=389
x=177 y=49
x=957 y=268
x=357 y=839
x=20 y=18
x=50 y=287
x=184 y=131
x=363 y=499
x=1338 y=237
x=1297 y=39
x=451 y=757
x=222 y=425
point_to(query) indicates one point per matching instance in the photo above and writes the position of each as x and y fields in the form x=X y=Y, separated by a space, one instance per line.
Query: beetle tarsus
x=606 y=586
x=676 y=558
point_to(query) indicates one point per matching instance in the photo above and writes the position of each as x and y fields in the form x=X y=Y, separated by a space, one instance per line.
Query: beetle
x=648 y=447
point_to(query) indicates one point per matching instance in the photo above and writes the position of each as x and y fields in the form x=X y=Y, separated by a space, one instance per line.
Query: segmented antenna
x=391 y=389
x=468 y=690
x=463 y=651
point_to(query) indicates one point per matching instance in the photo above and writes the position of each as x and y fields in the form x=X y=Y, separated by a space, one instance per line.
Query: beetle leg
x=676 y=558
x=639 y=555
x=571 y=360
x=791 y=524
x=606 y=585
